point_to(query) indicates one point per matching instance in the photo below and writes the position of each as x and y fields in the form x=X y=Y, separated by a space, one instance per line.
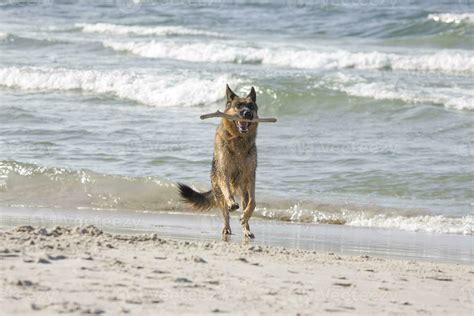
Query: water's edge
x=319 y=238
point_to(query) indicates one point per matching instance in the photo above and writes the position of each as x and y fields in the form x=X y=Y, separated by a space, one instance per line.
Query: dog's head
x=243 y=107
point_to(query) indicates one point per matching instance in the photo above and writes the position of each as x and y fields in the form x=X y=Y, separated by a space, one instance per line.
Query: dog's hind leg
x=244 y=197
x=248 y=202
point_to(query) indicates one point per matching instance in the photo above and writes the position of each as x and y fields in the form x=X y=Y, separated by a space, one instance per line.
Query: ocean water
x=100 y=105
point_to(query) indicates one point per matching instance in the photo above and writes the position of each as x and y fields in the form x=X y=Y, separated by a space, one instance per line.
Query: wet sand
x=339 y=239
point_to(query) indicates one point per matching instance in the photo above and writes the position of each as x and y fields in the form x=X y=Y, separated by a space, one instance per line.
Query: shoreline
x=83 y=270
x=341 y=239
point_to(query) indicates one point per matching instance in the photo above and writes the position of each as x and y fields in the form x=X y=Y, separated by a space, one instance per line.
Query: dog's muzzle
x=247 y=114
x=243 y=127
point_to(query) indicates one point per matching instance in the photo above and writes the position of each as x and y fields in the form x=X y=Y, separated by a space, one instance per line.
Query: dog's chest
x=236 y=157
x=239 y=149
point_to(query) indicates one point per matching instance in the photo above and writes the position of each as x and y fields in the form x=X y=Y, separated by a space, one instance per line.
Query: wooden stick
x=236 y=118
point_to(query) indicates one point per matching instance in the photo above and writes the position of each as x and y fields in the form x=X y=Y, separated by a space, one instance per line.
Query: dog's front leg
x=248 y=198
x=228 y=196
x=226 y=230
x=229 y=204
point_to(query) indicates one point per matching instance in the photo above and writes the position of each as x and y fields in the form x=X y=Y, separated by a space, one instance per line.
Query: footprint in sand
x=343 y=284
x=43 y=260
x=183 y=280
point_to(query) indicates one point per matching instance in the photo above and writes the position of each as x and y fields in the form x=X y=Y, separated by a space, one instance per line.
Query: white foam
x=445 y=61
x=215 y=52
x=463 y=100
x=116 y=29
x=152 y=90
x=3 y=36
x=195 y=52
x=369 y=218
x=430 y=224
x=452 y=18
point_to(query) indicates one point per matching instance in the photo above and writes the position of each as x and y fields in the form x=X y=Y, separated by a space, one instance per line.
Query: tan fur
x=233 y=166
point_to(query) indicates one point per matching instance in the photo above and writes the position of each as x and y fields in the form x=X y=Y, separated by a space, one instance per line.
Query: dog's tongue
x=243 y=126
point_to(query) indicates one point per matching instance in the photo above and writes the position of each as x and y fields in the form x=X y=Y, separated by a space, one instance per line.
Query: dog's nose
x=247 y=114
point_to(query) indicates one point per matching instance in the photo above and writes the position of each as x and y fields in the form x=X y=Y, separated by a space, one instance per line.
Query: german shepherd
x=233 y=166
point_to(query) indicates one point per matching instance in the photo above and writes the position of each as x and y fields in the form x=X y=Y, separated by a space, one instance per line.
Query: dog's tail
x=200 y=201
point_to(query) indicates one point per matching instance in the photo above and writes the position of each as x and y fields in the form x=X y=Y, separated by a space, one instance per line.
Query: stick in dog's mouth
x=238 y=119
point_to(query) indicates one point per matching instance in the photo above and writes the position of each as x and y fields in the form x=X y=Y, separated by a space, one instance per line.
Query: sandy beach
x=83 y=270
x=363 y=192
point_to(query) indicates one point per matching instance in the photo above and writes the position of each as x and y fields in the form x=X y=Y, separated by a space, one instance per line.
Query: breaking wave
x=399 y=89
x=449 y=61
x=175 y=91
x=452 y=18
x=381 y=91
x=370 y=217
x=116 y=29
x=160 y=91
x=30 y=185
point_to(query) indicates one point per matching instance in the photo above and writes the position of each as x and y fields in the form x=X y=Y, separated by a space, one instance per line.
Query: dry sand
x=83 y=270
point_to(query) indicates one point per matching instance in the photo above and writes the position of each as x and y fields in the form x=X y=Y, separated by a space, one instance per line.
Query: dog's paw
x=249 y=234
x=226 y=231
x=234 y=207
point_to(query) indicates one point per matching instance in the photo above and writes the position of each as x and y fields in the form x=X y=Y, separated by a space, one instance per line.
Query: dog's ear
x=252 y=95
x=230 y=94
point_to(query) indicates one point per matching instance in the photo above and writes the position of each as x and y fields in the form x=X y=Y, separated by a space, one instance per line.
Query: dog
x=234 y=164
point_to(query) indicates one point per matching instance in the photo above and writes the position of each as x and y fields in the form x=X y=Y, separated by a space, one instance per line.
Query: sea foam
x=452 y=18
x=430 y=224
x=151 y=90
x=379 y=218
x=117 y=29
x=220 y=52
x=382 y=91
